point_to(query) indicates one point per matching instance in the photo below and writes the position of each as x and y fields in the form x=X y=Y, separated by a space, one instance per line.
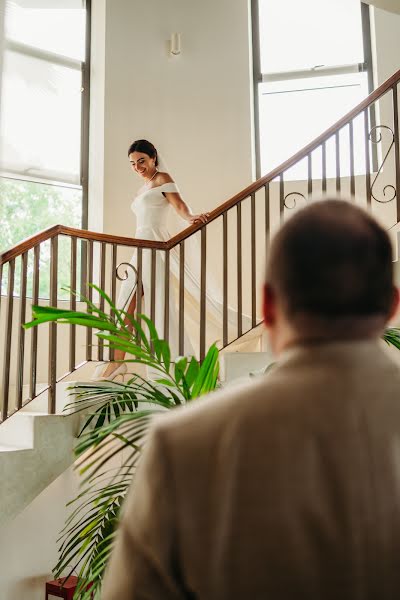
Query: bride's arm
x=183 y=210
x=181 y=207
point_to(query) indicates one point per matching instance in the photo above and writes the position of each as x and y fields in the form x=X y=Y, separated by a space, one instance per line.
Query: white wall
x=386 y=32
x=195 y=107
x=28 y=545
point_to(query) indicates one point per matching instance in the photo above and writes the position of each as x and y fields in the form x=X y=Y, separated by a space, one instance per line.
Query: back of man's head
x=332 y=261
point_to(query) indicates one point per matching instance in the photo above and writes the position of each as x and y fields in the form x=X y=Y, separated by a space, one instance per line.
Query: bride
x=151 y=206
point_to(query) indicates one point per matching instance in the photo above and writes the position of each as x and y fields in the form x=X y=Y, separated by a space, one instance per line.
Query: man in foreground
x=289 y=487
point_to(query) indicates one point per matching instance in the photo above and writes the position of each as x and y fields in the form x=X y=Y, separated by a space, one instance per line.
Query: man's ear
x=269 y=306
x=395 y=303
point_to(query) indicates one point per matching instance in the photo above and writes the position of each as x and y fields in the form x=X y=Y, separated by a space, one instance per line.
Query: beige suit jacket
x=283 y=489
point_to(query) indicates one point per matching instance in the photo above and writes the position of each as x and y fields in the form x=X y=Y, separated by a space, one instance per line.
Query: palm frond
x=116 y=426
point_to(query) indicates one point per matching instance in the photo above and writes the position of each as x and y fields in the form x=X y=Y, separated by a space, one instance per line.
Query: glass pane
x=27 y=208
x=41 y=119
x=300 y=35
x=57 y=25
x=306 y=108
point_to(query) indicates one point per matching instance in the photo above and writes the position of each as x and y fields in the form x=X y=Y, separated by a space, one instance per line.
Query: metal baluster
x=89 y=294
x=139 y=288
x=21 y=331
x=239 y=267
x=267 y=217
x=309 y=175
x=253 y=260
x=34 y=338
x=225 y=279
x=53 y=327
x=103 y=248
x=323 y=167
x=113 y=287
x=337 y=149
x=166 y=297
x=181 y=296
x=367 y=158
x=396 y=147
x=72 y=303
x=1 y=304
x=203 y=284
x=1 y=285
x=281 y=197
x=153 y=286
x=351 y=144
x=7 y=340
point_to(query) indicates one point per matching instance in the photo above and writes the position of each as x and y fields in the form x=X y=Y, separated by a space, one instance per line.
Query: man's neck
x=306 y=330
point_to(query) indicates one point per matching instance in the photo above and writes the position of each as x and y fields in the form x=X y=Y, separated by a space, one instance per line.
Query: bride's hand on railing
x=201 y=218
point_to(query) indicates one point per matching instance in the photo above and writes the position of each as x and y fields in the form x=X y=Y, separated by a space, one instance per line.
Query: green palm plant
x=117 y=419
x=392 y=337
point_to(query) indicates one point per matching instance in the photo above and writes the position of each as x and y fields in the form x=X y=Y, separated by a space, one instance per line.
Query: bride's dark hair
x=144 y=146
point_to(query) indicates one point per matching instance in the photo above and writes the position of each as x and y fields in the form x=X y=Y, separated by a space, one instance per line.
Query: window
x=312 y=64
x=45 y=97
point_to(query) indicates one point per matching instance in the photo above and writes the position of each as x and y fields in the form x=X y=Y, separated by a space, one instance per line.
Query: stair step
x=238 y=365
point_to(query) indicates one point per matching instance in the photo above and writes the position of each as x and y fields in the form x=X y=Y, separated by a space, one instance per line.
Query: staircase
x=36 y=365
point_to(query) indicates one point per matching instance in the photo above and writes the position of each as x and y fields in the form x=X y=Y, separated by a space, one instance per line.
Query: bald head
x=332 y=261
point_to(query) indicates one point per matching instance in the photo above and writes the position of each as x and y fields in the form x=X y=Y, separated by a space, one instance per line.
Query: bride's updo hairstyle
x=145 y=147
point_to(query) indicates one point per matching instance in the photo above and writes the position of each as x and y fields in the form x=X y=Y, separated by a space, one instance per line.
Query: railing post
x=153 y=285
x=323 y=167
x=309 y=175
x=225 y=279
x=103 y=247
x=7 y=340
x=267 y=217
x=114 y=286
x=72 y=303
x=34 y=338
x=253 y=260
x=281 y=197
x=53 y=327
x=351 y=144
x=367 y=158
x=21 y=331
x=337 y=159
x=203 y=283
x=139 y=287
x=181 y=296
x=239 y=268
x=166 y=296
x=89 y=295
x=396 y=148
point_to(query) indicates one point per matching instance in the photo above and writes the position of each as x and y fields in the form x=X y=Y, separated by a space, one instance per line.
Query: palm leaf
x=116 y=426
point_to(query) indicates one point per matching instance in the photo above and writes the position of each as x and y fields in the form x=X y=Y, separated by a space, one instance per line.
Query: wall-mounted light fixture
x=175 y=44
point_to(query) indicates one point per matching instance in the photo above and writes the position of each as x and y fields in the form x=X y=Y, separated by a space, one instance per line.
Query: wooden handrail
x=94 y=236
x=51 y=232
x=29 y=243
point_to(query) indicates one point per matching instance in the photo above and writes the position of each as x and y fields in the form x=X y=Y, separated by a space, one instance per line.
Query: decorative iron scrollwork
x=294 y=197
x=125 y=276
x=377 y=140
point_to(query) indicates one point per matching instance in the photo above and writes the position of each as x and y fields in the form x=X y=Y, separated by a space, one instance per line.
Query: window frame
x=316 y=71
x=84 y=68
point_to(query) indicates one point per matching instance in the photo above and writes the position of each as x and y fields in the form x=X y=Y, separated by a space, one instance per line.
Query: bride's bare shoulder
x=164 y=178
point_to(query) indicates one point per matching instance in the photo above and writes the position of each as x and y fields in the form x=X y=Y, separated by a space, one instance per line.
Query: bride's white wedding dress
x=151 y=209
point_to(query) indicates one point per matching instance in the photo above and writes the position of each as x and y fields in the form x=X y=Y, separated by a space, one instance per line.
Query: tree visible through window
x=41 y=121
